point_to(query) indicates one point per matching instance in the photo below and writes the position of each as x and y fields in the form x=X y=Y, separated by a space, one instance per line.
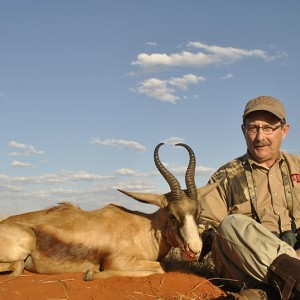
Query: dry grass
x=205 y=268
x=158 y=294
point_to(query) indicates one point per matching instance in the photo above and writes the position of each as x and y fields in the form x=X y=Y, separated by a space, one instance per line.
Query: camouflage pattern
x=233 y=181
x=235 y=189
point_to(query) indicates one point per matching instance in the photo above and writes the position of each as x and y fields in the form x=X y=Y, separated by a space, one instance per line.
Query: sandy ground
x=172 y=285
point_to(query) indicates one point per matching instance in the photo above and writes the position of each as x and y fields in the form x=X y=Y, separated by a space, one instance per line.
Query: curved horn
x=170 y=178
x=190 y=173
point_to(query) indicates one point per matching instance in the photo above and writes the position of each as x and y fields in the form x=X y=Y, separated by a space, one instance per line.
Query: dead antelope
x=109 y=241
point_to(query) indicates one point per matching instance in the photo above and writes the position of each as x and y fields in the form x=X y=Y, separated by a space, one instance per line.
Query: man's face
x=264 y=147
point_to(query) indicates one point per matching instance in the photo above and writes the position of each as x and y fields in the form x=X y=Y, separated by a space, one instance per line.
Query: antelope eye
x=199 y=220
x=198 y=216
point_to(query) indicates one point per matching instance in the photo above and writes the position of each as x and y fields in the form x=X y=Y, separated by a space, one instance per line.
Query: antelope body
x=109 y=241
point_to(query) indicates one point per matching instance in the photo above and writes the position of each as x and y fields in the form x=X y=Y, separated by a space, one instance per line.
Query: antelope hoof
x=88 y=275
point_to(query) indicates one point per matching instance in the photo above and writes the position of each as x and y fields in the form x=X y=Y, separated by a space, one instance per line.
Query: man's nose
x=260 y=135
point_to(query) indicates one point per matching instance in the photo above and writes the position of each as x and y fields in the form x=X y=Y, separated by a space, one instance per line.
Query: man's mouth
x=261 y=146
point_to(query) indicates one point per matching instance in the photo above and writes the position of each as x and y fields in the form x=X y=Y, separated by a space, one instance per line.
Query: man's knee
x=234 y=223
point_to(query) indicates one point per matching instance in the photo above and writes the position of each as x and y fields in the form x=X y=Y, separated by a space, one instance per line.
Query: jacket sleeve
x=214 y=204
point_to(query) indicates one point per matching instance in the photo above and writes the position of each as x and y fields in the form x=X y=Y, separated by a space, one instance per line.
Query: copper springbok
x=109 y=241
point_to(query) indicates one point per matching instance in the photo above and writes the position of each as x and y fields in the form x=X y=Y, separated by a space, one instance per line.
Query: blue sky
x=89 y=88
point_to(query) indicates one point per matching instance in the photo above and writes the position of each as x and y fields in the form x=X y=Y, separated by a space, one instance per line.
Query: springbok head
x=181 y=208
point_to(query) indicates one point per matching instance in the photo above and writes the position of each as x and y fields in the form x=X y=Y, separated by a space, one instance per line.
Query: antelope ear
x=156 y=199
x=203 y=191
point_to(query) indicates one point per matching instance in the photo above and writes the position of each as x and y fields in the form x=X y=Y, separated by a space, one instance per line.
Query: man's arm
x=214 y=204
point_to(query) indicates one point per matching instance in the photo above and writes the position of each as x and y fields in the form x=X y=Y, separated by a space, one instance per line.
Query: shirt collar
x=252 y=162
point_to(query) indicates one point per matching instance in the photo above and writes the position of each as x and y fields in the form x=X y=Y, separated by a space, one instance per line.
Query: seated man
x=256 y=207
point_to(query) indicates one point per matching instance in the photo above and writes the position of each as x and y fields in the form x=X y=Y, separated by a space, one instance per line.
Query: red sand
x=171 y=285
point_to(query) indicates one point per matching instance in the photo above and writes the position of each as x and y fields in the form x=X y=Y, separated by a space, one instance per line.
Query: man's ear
x=285 y=130
x=243 y=129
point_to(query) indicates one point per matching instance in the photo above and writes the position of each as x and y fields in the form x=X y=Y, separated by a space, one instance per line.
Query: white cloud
x=196 y=55
x=157 y=89
x=17 y=163
x=88 y=190
x=201 y=170
x=152 y=44
x=185 y=81
x=21 y=196
x=227 y=55
x=208 y=56
x=17 y=145
x=180 y=170
x=174 y=140
x=82 y=176
x=121 y=143
x=62 y=177
x=124 y=171
x=160 y=61
x=228 y=76
x=134 y=173
x=28 y=149
x=9 y=188
x=165 y=90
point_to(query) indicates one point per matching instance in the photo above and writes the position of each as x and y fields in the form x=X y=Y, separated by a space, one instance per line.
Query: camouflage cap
x=266 y=103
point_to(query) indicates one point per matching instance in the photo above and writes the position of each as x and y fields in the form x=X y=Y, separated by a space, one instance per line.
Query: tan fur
x=109 y=241
x=67 y=239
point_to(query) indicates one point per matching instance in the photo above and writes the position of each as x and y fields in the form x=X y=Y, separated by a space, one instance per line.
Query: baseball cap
x=266 y=103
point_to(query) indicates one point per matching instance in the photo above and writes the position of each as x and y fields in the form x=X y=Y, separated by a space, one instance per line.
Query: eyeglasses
x=267 y=129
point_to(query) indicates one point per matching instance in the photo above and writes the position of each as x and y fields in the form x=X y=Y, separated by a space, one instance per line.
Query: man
x=256 y=206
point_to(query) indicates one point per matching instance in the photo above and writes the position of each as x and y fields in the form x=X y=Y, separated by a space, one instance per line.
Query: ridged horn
x=190 y=173
x=169 y=177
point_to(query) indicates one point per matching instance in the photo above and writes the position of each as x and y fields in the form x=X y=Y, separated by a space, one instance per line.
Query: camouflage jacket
x=236 y=192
